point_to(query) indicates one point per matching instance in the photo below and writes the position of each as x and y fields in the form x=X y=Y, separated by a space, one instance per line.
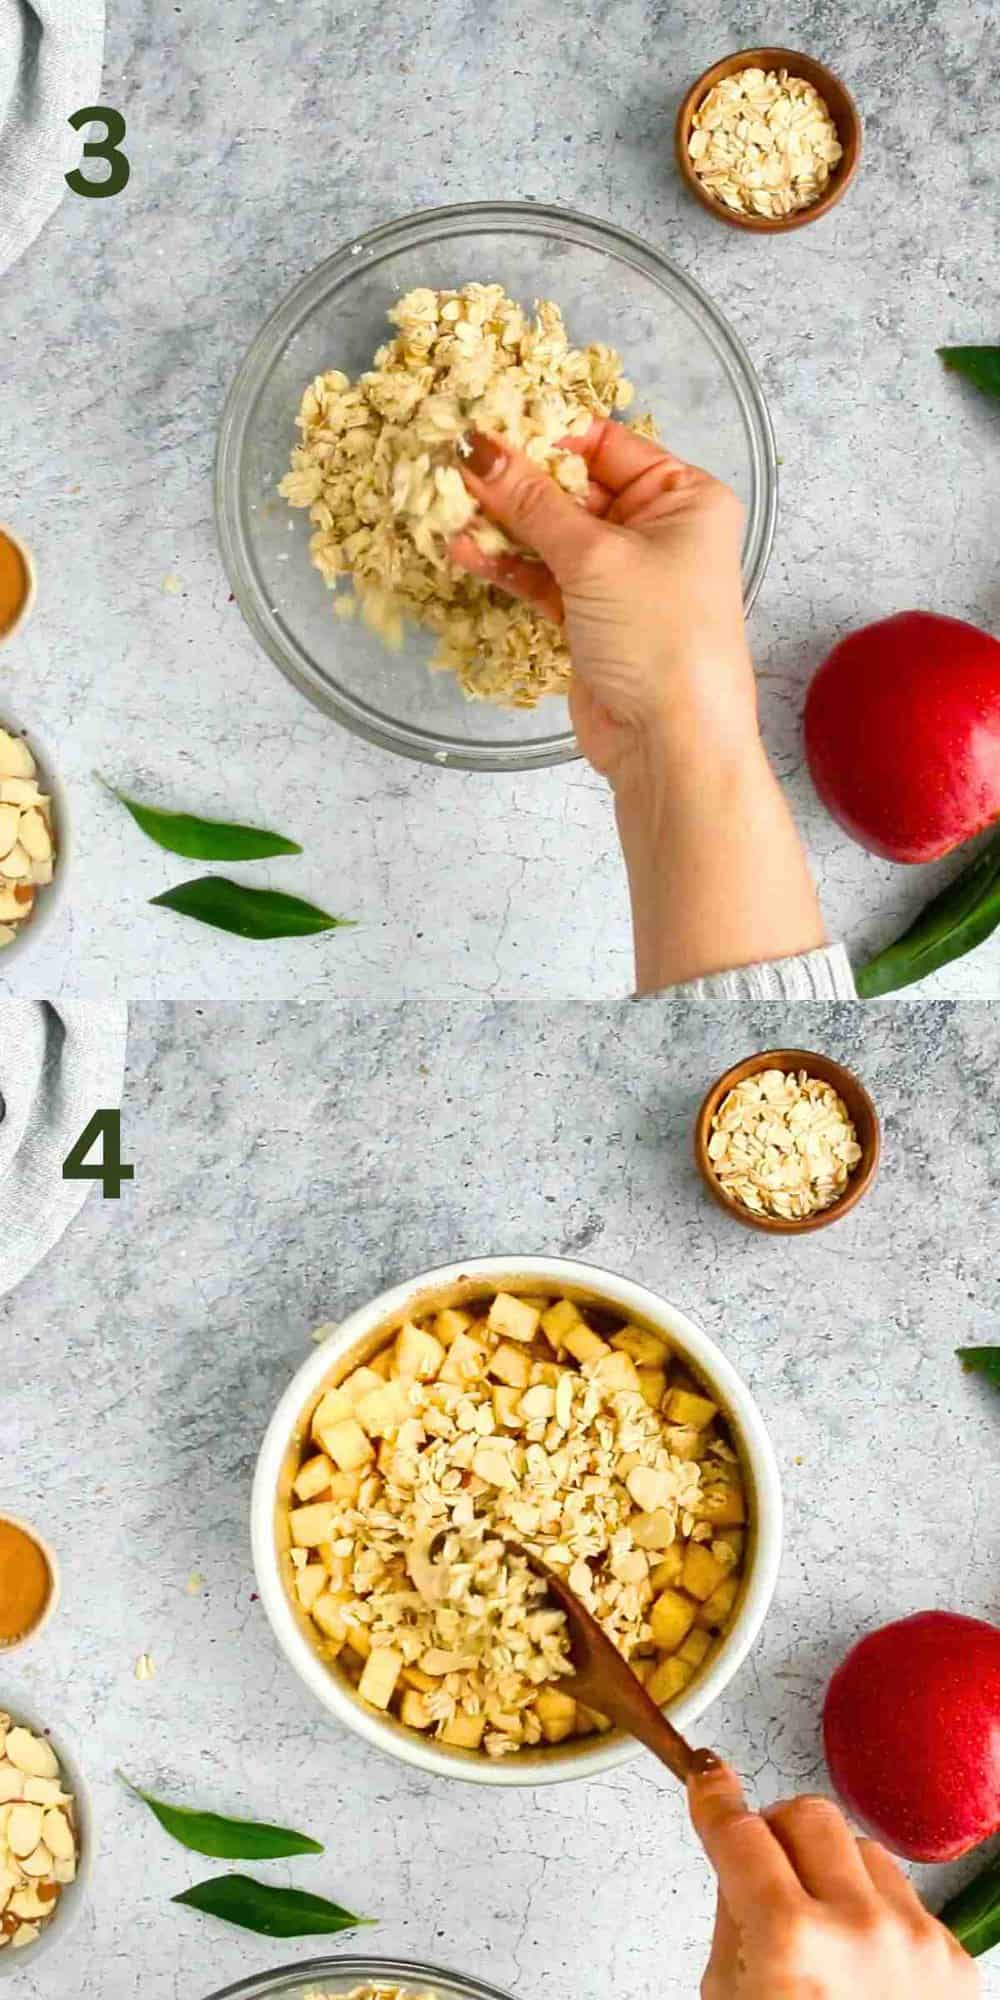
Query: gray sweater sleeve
x=814 y=975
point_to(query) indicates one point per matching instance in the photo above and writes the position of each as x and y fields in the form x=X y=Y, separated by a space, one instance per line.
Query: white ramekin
x=353 y=1342
x=74 y=1895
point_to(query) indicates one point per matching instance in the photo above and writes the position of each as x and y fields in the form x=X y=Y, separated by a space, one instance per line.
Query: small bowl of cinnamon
x=29 y=1583
x=17 y=583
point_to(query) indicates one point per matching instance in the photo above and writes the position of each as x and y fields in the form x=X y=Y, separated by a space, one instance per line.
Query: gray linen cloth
x=58 y=1065
x=50 y=66
x=814 y=975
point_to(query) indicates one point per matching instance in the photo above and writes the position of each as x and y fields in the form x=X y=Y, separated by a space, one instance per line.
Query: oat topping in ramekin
x=542 y=1421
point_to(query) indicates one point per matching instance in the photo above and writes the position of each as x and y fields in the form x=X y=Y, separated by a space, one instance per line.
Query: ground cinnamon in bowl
x=16 y=583
x=27 y=1583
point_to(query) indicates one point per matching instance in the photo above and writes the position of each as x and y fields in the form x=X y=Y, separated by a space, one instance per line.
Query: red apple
x=902 y=728
x=911 y=1728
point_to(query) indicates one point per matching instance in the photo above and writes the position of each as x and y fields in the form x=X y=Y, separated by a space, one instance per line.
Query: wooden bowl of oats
x=768 y=140
x=787 y=1141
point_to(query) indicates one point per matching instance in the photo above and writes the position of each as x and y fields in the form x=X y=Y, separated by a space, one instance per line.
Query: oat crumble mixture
x=377 y=468
x=513 y=1417
x=376 y=1993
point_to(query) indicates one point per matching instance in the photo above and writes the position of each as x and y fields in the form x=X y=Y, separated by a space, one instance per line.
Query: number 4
x=110 y=1170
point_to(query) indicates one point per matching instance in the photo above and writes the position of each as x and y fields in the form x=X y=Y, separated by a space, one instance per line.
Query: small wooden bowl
x=860 y=1109
x=839 y=103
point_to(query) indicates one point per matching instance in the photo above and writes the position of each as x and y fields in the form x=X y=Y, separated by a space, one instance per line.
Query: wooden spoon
x=602 y=1679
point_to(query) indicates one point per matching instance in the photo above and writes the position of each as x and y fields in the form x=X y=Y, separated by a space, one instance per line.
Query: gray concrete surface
x=262 y=137
x=290 y=1161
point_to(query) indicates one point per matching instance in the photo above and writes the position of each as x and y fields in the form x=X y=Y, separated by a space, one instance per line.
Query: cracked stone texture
x=259 y=147
x=289 y=1164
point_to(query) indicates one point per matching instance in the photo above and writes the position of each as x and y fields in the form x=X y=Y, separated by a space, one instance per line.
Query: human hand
x=647 y=579
x=808 y=1912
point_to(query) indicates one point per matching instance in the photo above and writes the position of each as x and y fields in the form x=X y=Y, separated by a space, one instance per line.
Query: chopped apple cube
x=511 y=1365
x=418 y=1353
x=464 y=1732
x=413 y=1710
x=695 y=1647
x=507 y=1406
x=584 y=1345
x=646 y=1349
x=463 y=1361
x=381 y=1411
x=701 y=1573
x=671 y=1619
x=682 y=1407
x=557 y=1714
x=347 y=1444
x=556 y=1323
x=717 y=1609
x=333 y=1406
x=667 y=1679
x=723 y=1504
x=381 y=1673
x=309 y=1584
x=513 y=1317
x=313 y=1477
x=312 y=1525
x=669 y=1567
x=450 y=1322
x=616 y=1373
x=653 y=1385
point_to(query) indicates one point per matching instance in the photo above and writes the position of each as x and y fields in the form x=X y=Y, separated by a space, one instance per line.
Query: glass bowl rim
x=384 y=240
x=402 y=1971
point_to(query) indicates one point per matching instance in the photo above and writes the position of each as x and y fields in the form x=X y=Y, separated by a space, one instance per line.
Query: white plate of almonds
x=44 y=1807
x=33 y=838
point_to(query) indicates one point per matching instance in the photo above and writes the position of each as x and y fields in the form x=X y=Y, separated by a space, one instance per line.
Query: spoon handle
x=635 y=1711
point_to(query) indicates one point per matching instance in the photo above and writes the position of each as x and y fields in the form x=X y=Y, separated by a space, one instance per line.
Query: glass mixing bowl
x=341 y=1975
x=689 y=370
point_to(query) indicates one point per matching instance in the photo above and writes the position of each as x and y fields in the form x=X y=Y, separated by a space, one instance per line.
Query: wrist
x=656 y=789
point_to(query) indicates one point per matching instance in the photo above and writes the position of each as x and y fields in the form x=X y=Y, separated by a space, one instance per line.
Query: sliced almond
x=58 y=1834
x=41 y=873
x=10 y=820
x=24 y=1829
x=7 y=935
x=31 y=1754
x=16 y=760
x=46 y=1792
x=16 y=866
x=21 y=792
x=39 y=1862
x=12 y=1781
x=11 y=912
x=34 y=835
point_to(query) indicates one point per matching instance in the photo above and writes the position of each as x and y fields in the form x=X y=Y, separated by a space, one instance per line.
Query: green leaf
x=980 y=365
x=982 y=1361
x=224 y=1839
x=250 y=913
x=271 y=1910
x=973 y=1916
x=204 y=839
x=950 y=925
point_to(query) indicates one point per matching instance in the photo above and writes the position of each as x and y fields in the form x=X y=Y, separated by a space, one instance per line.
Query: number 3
x=101 y=149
